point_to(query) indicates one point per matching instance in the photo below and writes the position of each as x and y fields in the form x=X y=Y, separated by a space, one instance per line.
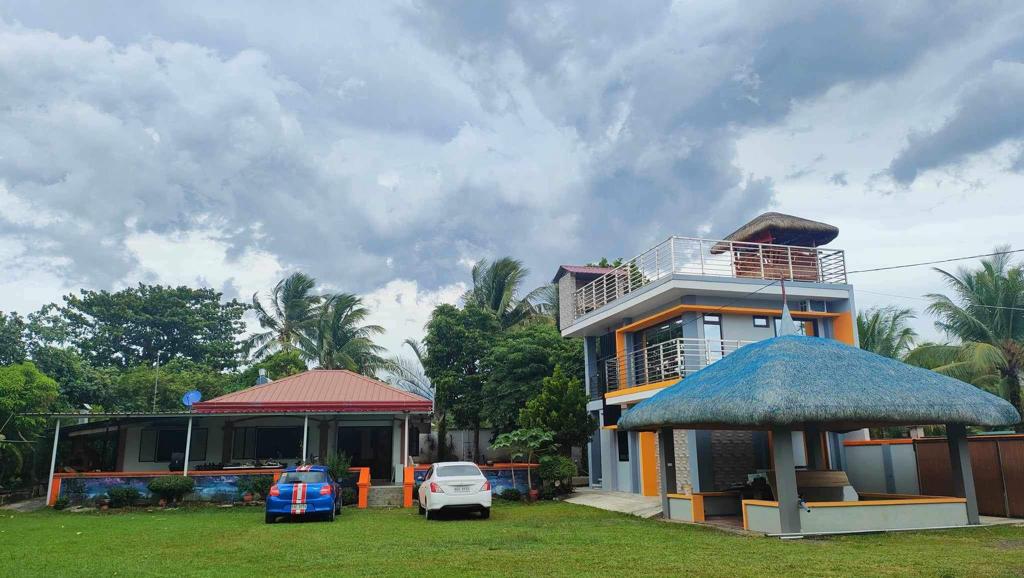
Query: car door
x=425 y=486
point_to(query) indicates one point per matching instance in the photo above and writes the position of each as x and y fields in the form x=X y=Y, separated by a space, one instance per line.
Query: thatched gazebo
x=763 y=248
x=793 y=383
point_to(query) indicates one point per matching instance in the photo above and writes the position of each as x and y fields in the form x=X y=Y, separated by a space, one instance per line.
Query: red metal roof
x=318 y=390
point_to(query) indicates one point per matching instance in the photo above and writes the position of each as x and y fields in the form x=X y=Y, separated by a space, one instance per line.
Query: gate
x=998 y=466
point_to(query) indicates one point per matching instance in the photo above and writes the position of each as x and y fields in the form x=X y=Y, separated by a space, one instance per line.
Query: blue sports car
x=304 y=491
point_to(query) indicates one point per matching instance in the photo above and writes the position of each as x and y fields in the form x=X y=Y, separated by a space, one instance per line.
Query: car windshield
x=459 y=470
x=303 y=478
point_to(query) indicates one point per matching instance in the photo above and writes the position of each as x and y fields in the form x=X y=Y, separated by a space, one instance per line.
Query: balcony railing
x=686 y=256
x=666 y=361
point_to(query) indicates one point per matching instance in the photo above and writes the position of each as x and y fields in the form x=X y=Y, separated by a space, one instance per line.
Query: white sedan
x=455 y=486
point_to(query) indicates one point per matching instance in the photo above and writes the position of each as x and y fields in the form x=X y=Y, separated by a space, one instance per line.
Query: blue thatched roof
x=794 y=380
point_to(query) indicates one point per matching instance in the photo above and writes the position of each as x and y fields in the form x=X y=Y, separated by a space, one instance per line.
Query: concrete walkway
x=633 y=504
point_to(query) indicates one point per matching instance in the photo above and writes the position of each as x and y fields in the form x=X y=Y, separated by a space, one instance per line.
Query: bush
x=511 y=494
x=258 y=486
x=61 y=503
x=171 y=488
x=122 y=496
x=75 y=490
x=557 y=473
x=338 y=465
x=349 y=496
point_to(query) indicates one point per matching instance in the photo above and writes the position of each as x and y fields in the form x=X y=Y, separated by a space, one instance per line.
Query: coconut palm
x=985 y=316
x=408 y=374
x=289 y=313
x=496 y=286
x=336 y=339
x=884 y=330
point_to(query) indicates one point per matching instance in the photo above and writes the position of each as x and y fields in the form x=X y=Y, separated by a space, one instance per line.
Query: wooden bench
x=817 y=485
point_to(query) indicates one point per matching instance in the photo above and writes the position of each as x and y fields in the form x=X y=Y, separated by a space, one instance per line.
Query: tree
x=337 y=339
x=290 y=313
x=561 y=407
x=496 y=286
x=516 y=366
x=278 y=365
x=23 y=390
x=604 y=262
x=132 y=326
x=885 y=331
x=12 y=343
x=985 y=316
x=78 y=382
x=408 y=373
x=525 y=443
x=457 y=340
x=133 y=388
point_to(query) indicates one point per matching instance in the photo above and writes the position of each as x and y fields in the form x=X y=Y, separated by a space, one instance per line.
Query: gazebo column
x=668 y=467
x=815 y=451
x=785 y=480
x=963 y=475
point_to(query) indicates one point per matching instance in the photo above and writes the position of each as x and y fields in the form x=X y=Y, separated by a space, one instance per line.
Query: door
x=368 y=447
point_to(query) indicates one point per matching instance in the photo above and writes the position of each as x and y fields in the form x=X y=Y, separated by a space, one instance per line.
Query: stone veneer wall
x=682 y=459
x=732 y=457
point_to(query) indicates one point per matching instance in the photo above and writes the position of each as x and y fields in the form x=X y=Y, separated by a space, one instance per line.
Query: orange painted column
x=842 y=328
x=408 y=478
x=364 y=487
x=54 y=493
x=648 y=464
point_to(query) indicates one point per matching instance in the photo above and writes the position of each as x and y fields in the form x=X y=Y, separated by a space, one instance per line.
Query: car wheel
x=332 y=516
x=270 y=518
x=422 y=510
x=485 y=513
x=427 y=514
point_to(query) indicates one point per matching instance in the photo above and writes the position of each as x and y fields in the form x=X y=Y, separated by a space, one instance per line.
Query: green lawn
x=543 y=539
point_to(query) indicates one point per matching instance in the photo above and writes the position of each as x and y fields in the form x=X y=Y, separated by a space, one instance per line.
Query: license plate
x=299 y=509
x=460 y=489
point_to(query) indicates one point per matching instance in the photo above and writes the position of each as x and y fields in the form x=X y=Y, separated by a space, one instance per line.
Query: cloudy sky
x=384 y=147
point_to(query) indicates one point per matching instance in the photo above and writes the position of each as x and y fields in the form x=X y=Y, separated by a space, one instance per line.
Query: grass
x=551 y=539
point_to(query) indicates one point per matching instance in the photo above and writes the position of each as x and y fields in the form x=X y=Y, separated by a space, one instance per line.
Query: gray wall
x=870 y=470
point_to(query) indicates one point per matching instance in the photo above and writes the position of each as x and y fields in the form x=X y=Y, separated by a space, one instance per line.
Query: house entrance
x=368 y=446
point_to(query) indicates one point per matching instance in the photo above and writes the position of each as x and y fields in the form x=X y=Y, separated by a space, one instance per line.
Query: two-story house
x=680 y=306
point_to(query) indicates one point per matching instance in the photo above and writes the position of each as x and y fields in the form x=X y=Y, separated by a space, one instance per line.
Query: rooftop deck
x=712 y=258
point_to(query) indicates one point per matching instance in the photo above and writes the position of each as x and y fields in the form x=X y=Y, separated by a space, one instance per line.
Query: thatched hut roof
x=781 y=229
x=794 y=380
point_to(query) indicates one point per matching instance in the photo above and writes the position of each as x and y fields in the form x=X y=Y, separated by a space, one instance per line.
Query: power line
x=926 y=299
x=934 y=262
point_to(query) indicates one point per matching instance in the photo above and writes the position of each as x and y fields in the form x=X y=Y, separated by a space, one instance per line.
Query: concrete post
x=785 y=480
x=305 y=436
x=53 y=460
x=963 y=475
x=815 y=453
x=667 y=444
x=609 y=460
x=188 y=446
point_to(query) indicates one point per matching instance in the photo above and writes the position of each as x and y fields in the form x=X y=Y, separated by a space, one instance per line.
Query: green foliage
x=123 y=496
x=457 y=341
x=517 y=365
x=257 y=485
x=278 y=365
x=23 y=389
x=338 y=339
x=74 y=489
x=496 y=288
x=604 y=262
x=349 y=496
x=133 y=388
x=524 y=444
x=557 y=472
x=338 y=465
x=511 y=495
x=171 y=488
x=560 y=407
x=61 y=503
x=12 y=343
x=127 y=328
x=289 y=313
x=79 y=382
x=886 y=331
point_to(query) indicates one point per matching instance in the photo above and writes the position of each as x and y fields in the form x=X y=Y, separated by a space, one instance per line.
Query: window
x=260 y=443
x=801 y=326
x=303 y=478
x=760 y=321
x=160 y=445
x=713 y=338
x=623 y=439
x=457 y=471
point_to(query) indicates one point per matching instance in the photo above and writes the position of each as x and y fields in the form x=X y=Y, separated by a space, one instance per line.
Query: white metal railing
x=665 y=361
x=688 y=256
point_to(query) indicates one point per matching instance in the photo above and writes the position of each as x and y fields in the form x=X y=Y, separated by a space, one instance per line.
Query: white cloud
x=403 y=309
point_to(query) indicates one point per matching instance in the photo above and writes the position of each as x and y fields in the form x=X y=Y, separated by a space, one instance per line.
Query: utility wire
x=934 y=262
x=926 y=299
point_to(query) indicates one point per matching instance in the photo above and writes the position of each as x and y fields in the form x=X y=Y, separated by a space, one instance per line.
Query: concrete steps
x=384 y=497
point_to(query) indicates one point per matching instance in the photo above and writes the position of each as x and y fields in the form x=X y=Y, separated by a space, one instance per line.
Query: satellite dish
x=191 y=397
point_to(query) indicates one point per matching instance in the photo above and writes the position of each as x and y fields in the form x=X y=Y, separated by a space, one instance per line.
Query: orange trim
x=678 y=309
x=716 y=494
x=408 y=476
x=364 y=486
x=54 y=492
x=886 y=502
x=879 y=496
x=620 y=357
x=745 y=503
x=892 y=442
x=648 y=464
x=611 y=427
x=640 y=388
x=680 y=496
x=842 y=328
x=809 y=328
x=150 y=474
x=697 y=508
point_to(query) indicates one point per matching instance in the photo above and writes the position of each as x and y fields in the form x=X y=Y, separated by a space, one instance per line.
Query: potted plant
x=525 y=443
x=170 y=489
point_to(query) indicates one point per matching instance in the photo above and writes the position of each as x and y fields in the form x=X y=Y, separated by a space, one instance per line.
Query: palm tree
x=290 y=312
x=884 y=330
x=336 y=339
x=496 y=286
x=408 y=374
x=986 y=317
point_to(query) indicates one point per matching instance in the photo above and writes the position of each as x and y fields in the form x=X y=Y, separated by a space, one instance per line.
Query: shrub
x=75 y=490
x=171 y=488
x=61 y=503
x=548 y=492
x=511 y=494
x=258 y=486
x=338 y=465
x=122 y=496
x=349 y=496
x=557 y=472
